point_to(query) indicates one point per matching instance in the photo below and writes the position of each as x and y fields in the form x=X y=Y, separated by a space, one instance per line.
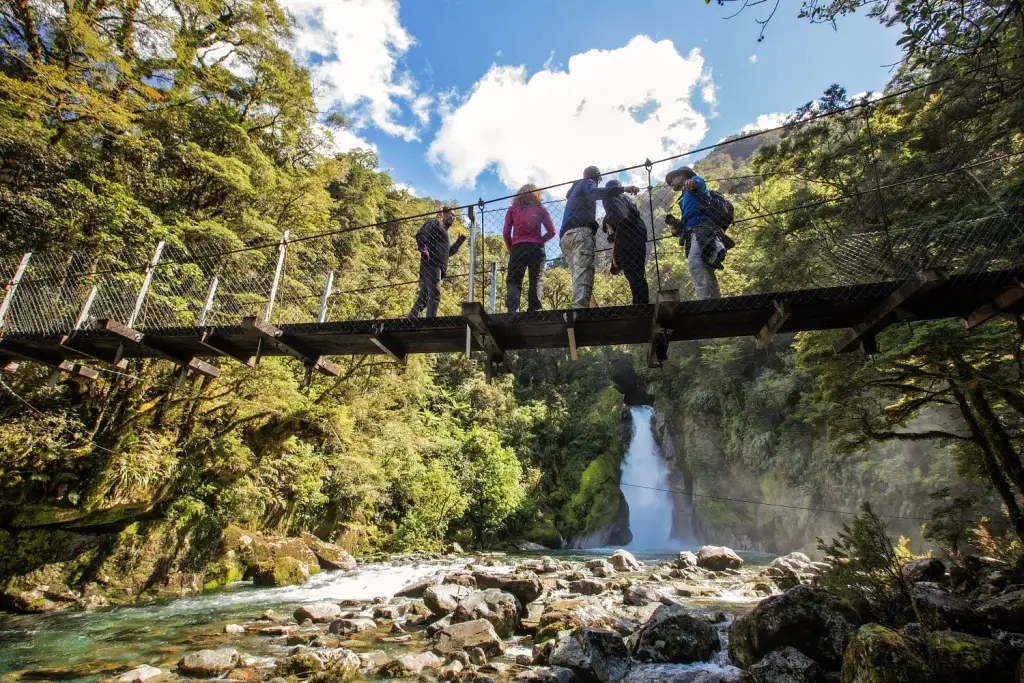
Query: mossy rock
x=880 y=655
x=285 y=571
x=549 y=631
x=965 y=657
x=222 y=572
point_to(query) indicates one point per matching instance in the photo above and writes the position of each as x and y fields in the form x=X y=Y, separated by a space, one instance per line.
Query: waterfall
x=650 y=511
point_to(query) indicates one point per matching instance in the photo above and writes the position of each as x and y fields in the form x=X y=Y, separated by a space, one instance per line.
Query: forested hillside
x=121 y=125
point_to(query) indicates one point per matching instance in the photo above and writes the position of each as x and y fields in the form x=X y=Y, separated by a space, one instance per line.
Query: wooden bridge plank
x=292 y=345
x=1005 y=300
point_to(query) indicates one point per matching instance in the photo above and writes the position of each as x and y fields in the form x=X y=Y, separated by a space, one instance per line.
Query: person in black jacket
x=628 y=235
x=432 y=242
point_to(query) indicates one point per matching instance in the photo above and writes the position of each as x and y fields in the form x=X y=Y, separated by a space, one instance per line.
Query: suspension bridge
x=200 y=302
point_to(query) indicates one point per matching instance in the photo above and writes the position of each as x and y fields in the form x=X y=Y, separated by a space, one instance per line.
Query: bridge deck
x=814 y=309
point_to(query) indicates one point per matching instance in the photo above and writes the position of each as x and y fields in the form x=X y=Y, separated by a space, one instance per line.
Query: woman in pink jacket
x=525 y=243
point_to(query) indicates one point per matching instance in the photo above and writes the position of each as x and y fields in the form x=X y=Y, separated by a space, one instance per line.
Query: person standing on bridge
x=579 y=229
x=525 y=244
x=628 y=234
x=434 y=248
x=698 y=232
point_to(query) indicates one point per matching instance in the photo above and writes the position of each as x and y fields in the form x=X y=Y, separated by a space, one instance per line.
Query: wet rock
x=587 y=586
x=461 y=579
x=245 y=675
x=565 y=615
x=411 y=664
x=208 y=663
x=718 y=558
x=318 y=612
x=547 y=674
x=443 y=599
x=880 y=655
x=278 y=630
x=234 y=629
x=139 y=674
x=284 y=571
x=328 y=555
x=371 y=661
x=524 y=659
x=524 y=585
x=925 y=569
x=939 y=610
x=805 y=617
x=498 y=607
x=673 y=635
x=347 y=627
x=677 y=673
x=467 y=635
x=685 y=560
x=530 y=622
x=601 y=568
x=624 y=561
x=391 y=612
x=525 y=546
x=594 y=655
x=638 y=594
x=454 y=549
x=450 y=671
x=763 y=589
x=543 y=565
x=1005 y=612
x=439 y=625
x=417 y=589
x=786 y=665
x=963 y=657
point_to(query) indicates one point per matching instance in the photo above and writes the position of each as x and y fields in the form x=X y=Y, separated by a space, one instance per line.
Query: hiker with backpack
x=706 y=215
x=434 y=247
x=627 y=233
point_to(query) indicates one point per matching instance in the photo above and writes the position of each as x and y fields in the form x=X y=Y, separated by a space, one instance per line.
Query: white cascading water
x=650 y=510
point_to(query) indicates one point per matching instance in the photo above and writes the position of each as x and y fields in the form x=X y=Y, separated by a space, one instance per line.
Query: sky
x=463 y=99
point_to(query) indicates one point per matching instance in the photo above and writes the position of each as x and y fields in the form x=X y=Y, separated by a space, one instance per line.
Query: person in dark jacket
x=525 y=242
x=579 y=228
x=432 y=242
x=699 y=235
x=628 y=235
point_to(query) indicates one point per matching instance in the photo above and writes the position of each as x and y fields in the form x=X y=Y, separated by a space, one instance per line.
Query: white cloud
x=870 y=96
x=498 y=54
x=549 y=62
x=408 y=188
x=352 y=48
x=610 y=107
x=341 y=140
x=753 y=58
x=766 y=121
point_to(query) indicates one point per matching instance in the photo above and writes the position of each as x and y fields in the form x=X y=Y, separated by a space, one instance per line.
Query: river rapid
x=92 y=645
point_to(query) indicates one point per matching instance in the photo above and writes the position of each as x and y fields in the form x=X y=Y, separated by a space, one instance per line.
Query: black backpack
x=717 y=209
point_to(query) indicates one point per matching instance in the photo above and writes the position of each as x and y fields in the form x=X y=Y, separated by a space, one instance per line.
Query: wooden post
x=11 y=287
x=146 y=282
x=325 y=297
x=570 y=330
x=282 y=249
x=494 y=286
x=208 y=303
x=83 y=314
x=775 y=322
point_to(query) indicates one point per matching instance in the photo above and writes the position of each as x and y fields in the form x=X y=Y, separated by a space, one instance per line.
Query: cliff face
x=684 y=527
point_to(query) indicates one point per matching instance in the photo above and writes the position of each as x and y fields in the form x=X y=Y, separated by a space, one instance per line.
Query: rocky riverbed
x=443 y=617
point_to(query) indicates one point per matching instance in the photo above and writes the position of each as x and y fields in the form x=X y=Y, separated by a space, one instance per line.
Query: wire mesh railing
x=807 y=217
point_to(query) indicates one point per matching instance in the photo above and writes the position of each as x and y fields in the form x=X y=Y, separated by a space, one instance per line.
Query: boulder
x=234 y=629
x=601 y=568
x=790 y=570
x=328 y=555
x=257 y=551
x=678 y=673
x=284 y=571
x=208 y=663
x=805 y=617
x=410 y=664
x=925 y=569
x=498 y=607
x=461 y=579
x=465 y=636
x=638 y=594
x=624 y=561
x=347 y=627
x=565 y=615
x=673 y=635
x=454 y=549
x=685 y=560
x=718 y=558
x=786 y=665
x=392 y=612
x=963 y=657
x=442 y=599
x=318 y=612
x=525 y=546
x=1005 y=612
x=588 y=586
x=139 y=674
x=594 y=655
x=880 y=655
x=938 y=610
x=524 y=585
x=547 y=674
x=418 y=588
x=543 y=565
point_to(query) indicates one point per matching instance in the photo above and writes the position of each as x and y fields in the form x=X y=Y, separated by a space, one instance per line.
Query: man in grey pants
x=432 y=242
x=699 y=234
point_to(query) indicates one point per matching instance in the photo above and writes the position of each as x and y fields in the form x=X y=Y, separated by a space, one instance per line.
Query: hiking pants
x=578 y=249
x=429 y=296
x=525 y=257
x=632 y=258
x=705 y=282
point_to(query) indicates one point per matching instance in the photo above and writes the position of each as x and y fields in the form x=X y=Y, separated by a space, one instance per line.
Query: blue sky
x=448 y=91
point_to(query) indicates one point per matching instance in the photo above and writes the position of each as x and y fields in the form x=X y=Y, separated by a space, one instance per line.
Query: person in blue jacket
x=432 y=243
x=579 y=229
x=698 y=232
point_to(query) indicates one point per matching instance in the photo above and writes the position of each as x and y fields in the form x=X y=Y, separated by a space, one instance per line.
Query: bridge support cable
x=661 y=327
x=881 y=316
x=775 y=322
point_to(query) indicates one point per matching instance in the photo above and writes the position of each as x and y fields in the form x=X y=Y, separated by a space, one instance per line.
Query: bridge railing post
x=11 y=287
x=146 y=282
x=325 y=297
x=282 y=250
x=494 y=286
x=472 y=273
x=208 y=302
x=650 y=207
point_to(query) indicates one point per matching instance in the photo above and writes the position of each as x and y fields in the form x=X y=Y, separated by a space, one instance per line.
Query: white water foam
x=650 y=510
